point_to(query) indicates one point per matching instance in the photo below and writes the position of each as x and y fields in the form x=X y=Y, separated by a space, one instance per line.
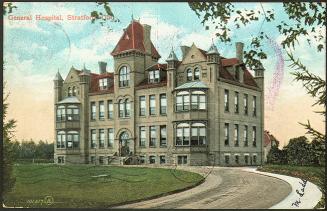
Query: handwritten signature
x=300 y=193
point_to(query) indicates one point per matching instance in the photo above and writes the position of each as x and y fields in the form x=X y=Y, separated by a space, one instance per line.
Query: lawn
x=89 y=186
x=310 y=173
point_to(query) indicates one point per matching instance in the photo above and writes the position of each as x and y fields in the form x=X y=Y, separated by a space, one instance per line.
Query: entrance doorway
x=124 y=144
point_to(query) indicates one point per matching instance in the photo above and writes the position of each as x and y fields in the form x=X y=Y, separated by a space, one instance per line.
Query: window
x=61 y=113
x=124 y=108
x=121 y=108
x=101 y=138
x=101 y=160
x=73 y=139
x=245 y=104
x=237 y=159
x=153 y=136
x=74 y=91
x=163 y=135
x=183 y=101
x=127 y=108
x=72 y=113
x=152 y=105
x=61 y=159
x=246 y=159
x=70 y=92
x=142 y=159
x=181 y=159
x=189 y=74
x=152 y=159
x=142 y=105
x=183 y=134
x=236 y=135
x=236 y=102
x=163 y=104
x=196 y=73
x=254 y=136
x=101 y=110
x=162 y=159
x=226 y=159
x=198 y=100
x=142 y=136
x=154 y=76
x=245 y=135
x=226 y=100
x=254 y=105
x=226 y=131
x=93 y=110
x=103 y=83
x=110 y=109
x=93 y=138
x=61 y=139
x=124 y=76
x=110 y=137
x=198 y=134
x=254 y=159
x=93 y=159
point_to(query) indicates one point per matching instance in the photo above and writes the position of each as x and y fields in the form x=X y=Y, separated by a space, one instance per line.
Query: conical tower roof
x=58 y=77
x=172 y=56
x=213 y=49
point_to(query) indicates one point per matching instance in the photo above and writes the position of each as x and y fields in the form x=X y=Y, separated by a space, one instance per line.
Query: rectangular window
x=226 y=159
x=236 y=135
x=254 y=159
x=226 y=100
x=246 y=159
x=195 y=102
x=153 y=136
x=179 y=136
x=61 y=140
x=186 y=102
x=245 y=104
x=162 y=159
x=226 y=132
x=142 y=105
x=236 y=102
x=254 y=136
x=202 y=105
x=163 y=135
x=152 y=104
x=110 y=137
x=110 y=109
x=179 y=103
x=237 y=159
x=101 y=160
x=181 y=160
x=163 y=104
x=142 y=136
x=127 y=108
x=93 y=159
x=121 y=106
x=61 y=113
x=245 y=135
x=254 y=105
x=186 y=136
x=103 y=83
x=93 y=138
x=61 y=159
x=93 y=110
x=152 y=159
x=101 y=110
x=101 y=138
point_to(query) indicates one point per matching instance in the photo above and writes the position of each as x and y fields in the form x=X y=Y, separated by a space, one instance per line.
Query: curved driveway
x=224 y=188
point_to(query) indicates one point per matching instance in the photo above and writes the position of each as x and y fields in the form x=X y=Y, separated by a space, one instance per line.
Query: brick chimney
x=147 y=38
x=102 y=67
x=239 y=51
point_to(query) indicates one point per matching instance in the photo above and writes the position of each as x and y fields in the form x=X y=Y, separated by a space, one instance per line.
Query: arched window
x=61 y=113
x=61 y=139
x=198 y=100
x=198 y=134
x=72 y=139
x=70 y=91
x=72 y=113
x=189 y=74
x=74 y=91
x=124 y=76
x=183 y=134
x=196 y=73
x=183 y=101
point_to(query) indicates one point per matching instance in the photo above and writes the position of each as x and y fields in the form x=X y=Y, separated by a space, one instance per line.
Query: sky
x=35 y=50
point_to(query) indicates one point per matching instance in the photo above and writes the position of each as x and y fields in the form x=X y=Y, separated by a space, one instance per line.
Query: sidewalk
x=304 y=195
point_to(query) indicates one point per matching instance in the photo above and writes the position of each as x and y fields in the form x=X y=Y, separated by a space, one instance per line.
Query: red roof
x=268 y=138
x=157 y=66
x=95 y=89
x=146 y=85
x=133 y=39
x=229 y=62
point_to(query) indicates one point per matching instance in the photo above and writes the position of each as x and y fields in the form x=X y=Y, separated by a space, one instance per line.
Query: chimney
x=239 y=51
x=184 y=49
x=147 y=38
x=102 y=67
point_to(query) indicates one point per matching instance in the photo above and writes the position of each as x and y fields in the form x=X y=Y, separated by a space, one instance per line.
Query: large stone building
x=201 y=109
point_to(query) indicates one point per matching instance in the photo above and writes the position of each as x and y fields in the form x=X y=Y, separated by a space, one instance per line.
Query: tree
x=298 y=151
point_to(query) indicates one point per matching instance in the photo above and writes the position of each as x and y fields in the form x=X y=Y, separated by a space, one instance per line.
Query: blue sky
x=35 y=50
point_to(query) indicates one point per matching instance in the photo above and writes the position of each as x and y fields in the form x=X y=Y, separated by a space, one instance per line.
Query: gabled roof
x=157 y=66
x=95 y=89
x=69 y=100
x=192 y=85
x=269 y=138
x=133 y=39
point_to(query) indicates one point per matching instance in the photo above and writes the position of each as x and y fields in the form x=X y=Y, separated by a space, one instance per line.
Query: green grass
x=74 y=186
x=310 y=173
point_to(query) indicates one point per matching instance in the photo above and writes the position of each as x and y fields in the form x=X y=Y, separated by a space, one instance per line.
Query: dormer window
x=154 y=76
x=103 y=83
